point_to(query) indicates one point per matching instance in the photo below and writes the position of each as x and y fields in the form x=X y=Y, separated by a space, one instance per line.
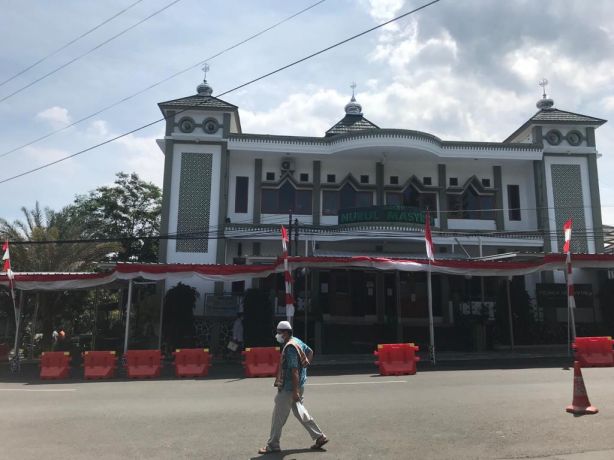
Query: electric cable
x=74 y=40
x=147 y=125
x=100 y=45
x=164 y=80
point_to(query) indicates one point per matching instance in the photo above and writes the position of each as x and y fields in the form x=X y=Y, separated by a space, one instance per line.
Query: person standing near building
x=237 y=332
x=290 y=382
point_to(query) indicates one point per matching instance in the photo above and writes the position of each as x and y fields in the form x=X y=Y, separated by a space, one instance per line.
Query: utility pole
x=296 y=237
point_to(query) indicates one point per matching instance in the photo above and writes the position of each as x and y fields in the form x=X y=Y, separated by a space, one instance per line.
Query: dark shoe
x=320 y=442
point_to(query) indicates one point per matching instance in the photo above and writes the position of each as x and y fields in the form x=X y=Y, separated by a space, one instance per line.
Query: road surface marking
x=355 y=383
x=39 y=389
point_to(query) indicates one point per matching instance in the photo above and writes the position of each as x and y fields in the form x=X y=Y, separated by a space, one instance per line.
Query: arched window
x=284 y=199
x=412 y=197
x=344 y=198
x=471 y=205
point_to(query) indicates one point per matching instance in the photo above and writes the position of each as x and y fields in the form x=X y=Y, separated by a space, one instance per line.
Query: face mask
x=279 y=338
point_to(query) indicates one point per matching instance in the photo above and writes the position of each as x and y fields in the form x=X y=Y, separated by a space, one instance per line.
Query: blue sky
x=459 y=69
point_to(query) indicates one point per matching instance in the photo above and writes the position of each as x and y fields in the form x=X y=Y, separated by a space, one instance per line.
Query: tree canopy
x=128 y=210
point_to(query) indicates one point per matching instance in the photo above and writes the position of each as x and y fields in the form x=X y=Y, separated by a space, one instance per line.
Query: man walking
x=291 y=377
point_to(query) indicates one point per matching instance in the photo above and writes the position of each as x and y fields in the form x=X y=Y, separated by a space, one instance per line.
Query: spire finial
x=204 y=89
x=353 y=86
x=545 y=103
x=543 y=83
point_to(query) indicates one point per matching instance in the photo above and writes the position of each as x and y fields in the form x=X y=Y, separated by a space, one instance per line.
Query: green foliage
x=128 y=210
x=178 y=324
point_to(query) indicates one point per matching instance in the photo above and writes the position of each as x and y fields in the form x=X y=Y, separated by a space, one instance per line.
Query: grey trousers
x=283 y=405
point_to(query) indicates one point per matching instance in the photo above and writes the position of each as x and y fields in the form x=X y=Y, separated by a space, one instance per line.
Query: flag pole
x=428 y=239
x=431 y=325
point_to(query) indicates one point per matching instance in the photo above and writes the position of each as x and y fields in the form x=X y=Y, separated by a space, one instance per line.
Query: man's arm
x=296 y=396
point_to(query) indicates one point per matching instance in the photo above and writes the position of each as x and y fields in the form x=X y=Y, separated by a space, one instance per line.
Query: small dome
x=353 y=107
x=545 y=103
x=204 y=89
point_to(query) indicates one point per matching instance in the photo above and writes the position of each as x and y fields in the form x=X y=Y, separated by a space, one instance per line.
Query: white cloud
x=56 y=116
x=383 y=10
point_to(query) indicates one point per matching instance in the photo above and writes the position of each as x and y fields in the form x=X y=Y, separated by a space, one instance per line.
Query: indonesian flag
x=6 y=258
x=284 y=234
x=428 y=239
x=567 y=232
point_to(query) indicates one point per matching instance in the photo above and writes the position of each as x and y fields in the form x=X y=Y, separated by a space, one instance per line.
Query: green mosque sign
x=397 y=214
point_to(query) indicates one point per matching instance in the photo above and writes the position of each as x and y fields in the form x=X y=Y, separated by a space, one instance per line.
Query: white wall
x=188 y=257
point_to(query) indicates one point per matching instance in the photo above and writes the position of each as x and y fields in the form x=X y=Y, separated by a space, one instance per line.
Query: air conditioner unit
x=287 y=165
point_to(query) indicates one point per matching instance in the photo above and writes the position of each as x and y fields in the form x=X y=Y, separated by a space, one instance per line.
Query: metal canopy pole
x=128 y=305
x=431 y=325
x=509 y=311
x=161 y=318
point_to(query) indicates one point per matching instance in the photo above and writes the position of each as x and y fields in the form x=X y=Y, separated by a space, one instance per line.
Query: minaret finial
x=545 y=103
x=353 y=86
x=353 y=107
x=204 y=89
x=543 y=83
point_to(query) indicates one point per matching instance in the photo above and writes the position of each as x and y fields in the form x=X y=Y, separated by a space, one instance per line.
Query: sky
x=461 y=70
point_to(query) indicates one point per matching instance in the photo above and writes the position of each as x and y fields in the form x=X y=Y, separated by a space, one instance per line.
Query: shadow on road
x=283 y=455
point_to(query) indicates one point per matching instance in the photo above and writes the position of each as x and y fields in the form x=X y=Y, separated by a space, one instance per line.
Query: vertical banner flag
x=428 y=239
x=6 y=267
x=287 y=275
x=567 y=233
x=567 y=251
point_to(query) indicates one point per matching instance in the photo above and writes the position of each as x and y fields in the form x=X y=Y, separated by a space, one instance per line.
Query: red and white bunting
x=6 y=268
x=287 y=275
x=428 y=239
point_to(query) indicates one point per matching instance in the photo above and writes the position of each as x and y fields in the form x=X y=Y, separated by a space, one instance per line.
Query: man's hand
x=296 y=397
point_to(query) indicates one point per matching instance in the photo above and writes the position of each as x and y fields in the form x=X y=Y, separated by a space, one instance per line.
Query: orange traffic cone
x=580 y=404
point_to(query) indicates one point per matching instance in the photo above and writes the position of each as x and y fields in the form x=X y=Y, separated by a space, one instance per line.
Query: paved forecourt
x=512 y=413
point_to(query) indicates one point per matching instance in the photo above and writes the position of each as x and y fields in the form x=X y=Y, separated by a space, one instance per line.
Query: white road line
x=39 y=389
x=354 y=383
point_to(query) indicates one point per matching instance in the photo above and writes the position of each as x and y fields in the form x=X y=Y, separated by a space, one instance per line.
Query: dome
x=204 y=89
x=353 y=107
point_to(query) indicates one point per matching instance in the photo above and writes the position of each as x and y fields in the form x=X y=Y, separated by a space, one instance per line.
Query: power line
x=53 y=53
x=100 y=45
x=158 y=83
x=108 y=141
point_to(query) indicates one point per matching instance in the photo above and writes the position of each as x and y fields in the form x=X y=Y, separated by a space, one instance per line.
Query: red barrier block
x=55 y=365
x=192 y=362
x=99 y=364
x=397 y=358
x=594 y=351
x=261 y=361
x=143 y=364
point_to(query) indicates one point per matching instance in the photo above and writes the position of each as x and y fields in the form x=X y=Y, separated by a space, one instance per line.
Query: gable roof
x=350 y=124
x=199 y=102
x=556 y=116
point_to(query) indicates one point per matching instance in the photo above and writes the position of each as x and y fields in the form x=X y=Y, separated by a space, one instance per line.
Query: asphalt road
x=453 y=414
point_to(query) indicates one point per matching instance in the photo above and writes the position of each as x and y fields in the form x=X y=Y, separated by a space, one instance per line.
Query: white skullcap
x=284 y=326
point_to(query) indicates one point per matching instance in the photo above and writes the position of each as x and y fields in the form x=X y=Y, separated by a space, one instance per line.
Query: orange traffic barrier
x=192 y=362
x=594 y=351
x=143 y=364
x=261 y=361
x=55 y=365
x=580 y=404
x=99 y=364
x=396 y=358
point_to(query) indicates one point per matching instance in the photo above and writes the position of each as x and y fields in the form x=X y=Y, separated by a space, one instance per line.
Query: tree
x=129 y=210
x=33 y=250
